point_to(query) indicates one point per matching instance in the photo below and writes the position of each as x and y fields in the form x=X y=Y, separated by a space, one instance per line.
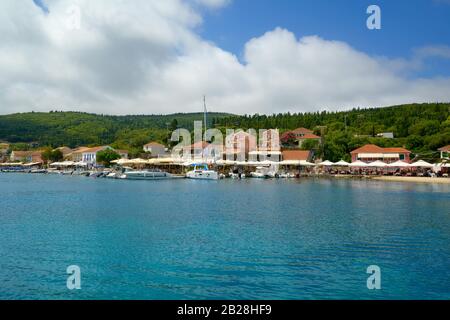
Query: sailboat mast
x=204 y=111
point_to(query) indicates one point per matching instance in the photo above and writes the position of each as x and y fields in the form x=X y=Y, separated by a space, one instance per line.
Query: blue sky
x=406 y=25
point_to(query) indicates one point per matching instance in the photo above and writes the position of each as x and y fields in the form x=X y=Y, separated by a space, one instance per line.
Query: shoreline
x=413 y=179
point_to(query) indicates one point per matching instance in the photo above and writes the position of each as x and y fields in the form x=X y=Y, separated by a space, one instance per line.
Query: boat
x=146 y=175
x=38 y=171
x=202 y=172
x=260 y=173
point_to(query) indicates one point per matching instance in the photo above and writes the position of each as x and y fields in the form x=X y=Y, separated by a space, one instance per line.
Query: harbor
x=234 y=239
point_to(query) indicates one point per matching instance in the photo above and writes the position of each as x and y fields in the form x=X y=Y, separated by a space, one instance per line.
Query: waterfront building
x=26 y=156
x=238 y=146
x=202 y=151
x=269 y=148
x=156 y=149
x=300 y=135
x=370 y=153
x=297 y=155
x=445 y=152
x=66 y=151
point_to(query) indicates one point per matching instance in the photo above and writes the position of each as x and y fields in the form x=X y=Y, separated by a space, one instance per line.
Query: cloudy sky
x=267 y=56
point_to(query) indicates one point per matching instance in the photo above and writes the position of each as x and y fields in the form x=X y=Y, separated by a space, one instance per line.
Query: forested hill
x=75 y=128
x=422 y=128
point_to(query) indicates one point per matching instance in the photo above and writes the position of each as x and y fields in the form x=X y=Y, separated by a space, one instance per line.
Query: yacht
x=146 y=175
x=201 y=171
x=261 y=172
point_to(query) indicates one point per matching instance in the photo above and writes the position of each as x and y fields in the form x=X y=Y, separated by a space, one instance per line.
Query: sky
x=246 y=56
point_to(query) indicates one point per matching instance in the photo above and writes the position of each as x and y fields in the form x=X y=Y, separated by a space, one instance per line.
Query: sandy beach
x=414 y=179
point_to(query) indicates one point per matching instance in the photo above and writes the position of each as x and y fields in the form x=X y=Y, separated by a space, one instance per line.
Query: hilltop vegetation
x=422 y=128
x=74 y=129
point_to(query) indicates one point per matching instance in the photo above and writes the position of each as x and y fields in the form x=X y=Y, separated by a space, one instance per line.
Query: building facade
x=26 y=156
x=156 y=149
x=445 y=152
x=370 y=153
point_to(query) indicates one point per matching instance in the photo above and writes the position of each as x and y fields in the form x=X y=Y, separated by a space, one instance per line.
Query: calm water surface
x=183 y=239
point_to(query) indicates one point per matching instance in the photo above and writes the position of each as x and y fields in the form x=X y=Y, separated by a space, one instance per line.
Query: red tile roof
x=445 y=149
x=93 y=150
x=154 y=144
x=371 y=148
x=296 y=154
x=396 y=150
x=301 y=131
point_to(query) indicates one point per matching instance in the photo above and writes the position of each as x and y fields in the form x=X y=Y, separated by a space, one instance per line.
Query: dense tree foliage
x=422 y=128
x=74 y=129
x=106 y=156
x=50 y=155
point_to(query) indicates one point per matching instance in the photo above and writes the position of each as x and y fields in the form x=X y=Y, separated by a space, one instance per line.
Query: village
x=240 y=156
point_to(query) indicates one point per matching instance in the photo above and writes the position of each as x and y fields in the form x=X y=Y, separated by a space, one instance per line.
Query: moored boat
x=202 y=172
x=147 y=175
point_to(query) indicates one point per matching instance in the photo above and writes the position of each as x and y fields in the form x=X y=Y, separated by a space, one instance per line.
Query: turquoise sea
x=250 y=239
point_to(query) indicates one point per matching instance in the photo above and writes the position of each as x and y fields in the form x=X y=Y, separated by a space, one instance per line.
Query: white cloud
x=145 y=57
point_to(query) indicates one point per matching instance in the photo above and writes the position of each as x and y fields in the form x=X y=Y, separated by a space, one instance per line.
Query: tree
x=106 y=156
x=49 y=155
x=310 y=144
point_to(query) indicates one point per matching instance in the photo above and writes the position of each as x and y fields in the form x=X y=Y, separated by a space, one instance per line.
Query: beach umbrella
x=358 y=164
x=326 y=163
x=67 y=164
x=305 y=163
x=421 y=164
x=399 y=164
x=342 y=163
x=290 y=163
x=377 y=164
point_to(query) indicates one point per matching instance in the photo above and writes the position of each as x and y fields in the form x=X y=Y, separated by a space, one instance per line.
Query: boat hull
x=148 y=175
x=203 y=175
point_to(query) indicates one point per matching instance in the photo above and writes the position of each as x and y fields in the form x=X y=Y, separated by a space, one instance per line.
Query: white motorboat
x=261 y=173
x=147 y=175
x=202 y=172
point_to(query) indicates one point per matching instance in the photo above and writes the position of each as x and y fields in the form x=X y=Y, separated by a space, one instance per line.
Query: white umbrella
x=306 y=163
x=290 y=163
x=226 y=162
x=358 y=164
x=399 y=164
x=67 y=163
x=377 y=164
x=342 y=163
x=326 y=163
x=421 y=164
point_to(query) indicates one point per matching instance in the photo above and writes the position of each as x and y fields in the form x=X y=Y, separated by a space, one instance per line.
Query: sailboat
x=201 y=170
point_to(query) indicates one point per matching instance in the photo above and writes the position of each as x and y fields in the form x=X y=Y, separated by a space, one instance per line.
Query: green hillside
x=78 y=129
x=422 y=128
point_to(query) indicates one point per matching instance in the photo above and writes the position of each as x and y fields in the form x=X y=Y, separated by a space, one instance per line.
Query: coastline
x=413 y=179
